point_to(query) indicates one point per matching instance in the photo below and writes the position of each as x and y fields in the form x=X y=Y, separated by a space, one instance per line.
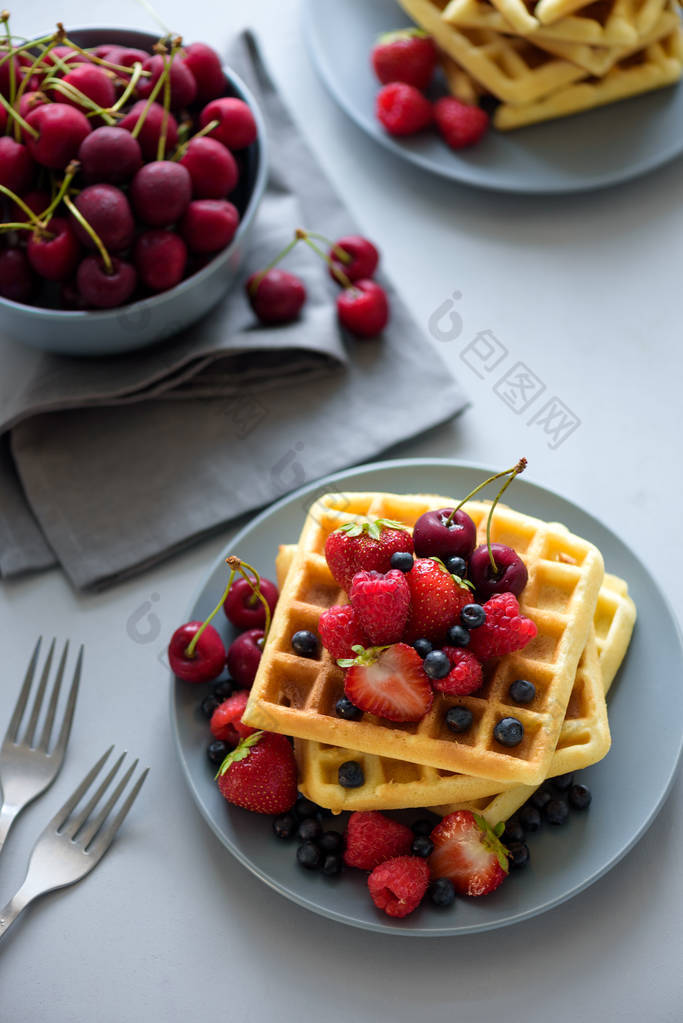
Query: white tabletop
x=584 y=292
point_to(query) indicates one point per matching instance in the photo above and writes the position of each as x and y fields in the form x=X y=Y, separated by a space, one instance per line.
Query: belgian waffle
x=297 y=696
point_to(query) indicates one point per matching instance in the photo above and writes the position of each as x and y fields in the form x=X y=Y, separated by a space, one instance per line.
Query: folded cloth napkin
x=108 y=465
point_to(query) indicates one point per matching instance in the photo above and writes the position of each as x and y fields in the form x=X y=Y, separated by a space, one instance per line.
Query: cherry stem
x=520 y=467
x=243 y=568
x=342 y=255
x=71 y=170
x=80 y=98
x=22 y=206
x=150 y=10
x=206 y=130
x=253 y=287
x=19 y=225
x=338 y=273
x=28 y=128
x=166 y=74
x=132 y=83
x=4 y=16
x=190 y=649
x=106 y=259
x=99 y=60
x=499 y=475
x=152 y=96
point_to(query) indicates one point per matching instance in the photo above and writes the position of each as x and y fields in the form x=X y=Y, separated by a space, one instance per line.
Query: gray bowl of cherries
x=131 y=169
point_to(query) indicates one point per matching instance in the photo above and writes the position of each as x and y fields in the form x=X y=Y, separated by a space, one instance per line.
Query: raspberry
x=227 y=717
x=382 y=603
x=399 y=885
x=460 y=125
x=340 y=631
x=402 y=109
x=503 y=631
x=465 y=676
x=372 y=838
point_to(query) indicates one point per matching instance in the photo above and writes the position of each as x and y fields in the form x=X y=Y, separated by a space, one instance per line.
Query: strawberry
x=504 y=630
x=389 y=682
x=460 y=125
x=402 y=109
x=340 y=630
x=358 y=546
x=408 y=55
x=465 y=676
x=382 y=603
x=371 y=838
x=468 y=851
x=228 y=716
x=399 y=885
x=260 y=775
x=436 y=601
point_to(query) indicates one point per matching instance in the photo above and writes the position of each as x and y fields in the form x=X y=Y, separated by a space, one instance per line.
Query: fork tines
x=28 y=737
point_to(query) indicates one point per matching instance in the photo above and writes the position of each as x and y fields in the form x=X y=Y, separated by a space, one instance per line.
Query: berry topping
x=331 y=841
x=422 y=846
x=445 y=533
x=465 y=675
x=458 y=635
x=442 y=892
x=402 y=109
x=343 y=708
x=408 y=55
x=436 y=664
x=260 y=775
x=563 y=781
x=509 y=576
x=556 y=811
x=472 y=616
x=389 y=683
x=368 y=546
x=399 y=885
x=332 y=865
x=309 y=830
x=340 y=630
x=456 y=566
x=402 y=560
x=217 y=750
x=459 y=719
x=285 y=826
x=228 y=715
x=530 y=818
x=436 y=601
x=309 y=856
x=522 y=691
x=423 y=647
x=468 y=852
x=350 y=775
x=504 y=630
x=580 y=797
x=305 y=643
x=509 y=732
x=519 y=855
x=382 y=604
x=372 y=838
x=460 y=125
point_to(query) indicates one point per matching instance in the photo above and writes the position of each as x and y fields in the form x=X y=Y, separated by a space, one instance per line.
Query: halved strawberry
x=389 y=682
x=468 y=851
x=436 y=600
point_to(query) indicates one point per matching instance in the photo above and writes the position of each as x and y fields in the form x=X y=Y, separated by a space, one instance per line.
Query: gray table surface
x=584 y=293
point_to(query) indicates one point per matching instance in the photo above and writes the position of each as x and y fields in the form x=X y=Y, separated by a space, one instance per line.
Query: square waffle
x=297 y=696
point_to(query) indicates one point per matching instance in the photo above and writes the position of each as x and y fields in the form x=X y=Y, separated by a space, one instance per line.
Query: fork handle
x=14 y=907
x=7 y=815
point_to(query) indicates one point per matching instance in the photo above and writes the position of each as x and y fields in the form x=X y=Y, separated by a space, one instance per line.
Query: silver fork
x=72 y=844
x=26 y=768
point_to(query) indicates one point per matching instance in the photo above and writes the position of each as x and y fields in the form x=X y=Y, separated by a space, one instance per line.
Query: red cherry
x=109 y=154
x=36 y=200
x=160 y=192
x=55 y=258
x=101 y=289
x=151 y=129
x=6 y=74
x=244 y=609
x=17 y=281
x=3 y=119
x=160 y=258
x=31 y=101
x=183 y=85
x=92 y=82
x=212 y=167
x=208 y=658
x=278 y=298
x=236 y=128
x=244 y=655
x=129 y=56
x=433 y=538
x=61 y=130
x=16 y=165
x=106 y=209
x=205 y=65
x=363 y=309
x=511 y=575
x=65 y=54
x=364 y=258
x=209 y=224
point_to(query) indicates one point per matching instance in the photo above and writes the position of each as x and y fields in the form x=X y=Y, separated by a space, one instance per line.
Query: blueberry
x=457 y=635
x=331 y=841
x=217 y=751
x=402 y=560
x=563 y=782
x=472 y=616
x=305 y=643
x=422 y=826
x=351 y=775
x=456 y=566
x=458 y=719
x=284 y=826
x=519 y=855
x=540 y=798
x=309 y=856
x=332 y=865
x=422 y=846
x=580 y=797
x=304 y=808
x=343 y=708
x=530 y=818
x=556 y=811
x=436 y=664
x=514 y=832
x=509 y=732
x=522 y=691
x=209 y=704
x=442 y=892
x=309 y=830
x=423 y=647
x=223 y=688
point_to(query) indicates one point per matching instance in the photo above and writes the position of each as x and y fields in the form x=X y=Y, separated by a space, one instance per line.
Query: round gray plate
x=589 y=150
x=628 y=786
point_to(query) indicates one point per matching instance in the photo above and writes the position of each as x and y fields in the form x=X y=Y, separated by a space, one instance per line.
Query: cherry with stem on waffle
x=495 y=567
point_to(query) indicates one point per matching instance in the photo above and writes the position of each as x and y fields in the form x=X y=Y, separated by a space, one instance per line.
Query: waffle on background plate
x=297 y=696
x=540 y=61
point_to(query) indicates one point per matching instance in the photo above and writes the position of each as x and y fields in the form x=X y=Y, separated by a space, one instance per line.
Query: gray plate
x=589 y=150
x=628 y=786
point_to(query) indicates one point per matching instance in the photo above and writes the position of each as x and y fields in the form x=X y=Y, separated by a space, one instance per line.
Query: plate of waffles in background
x=586 y=660
x=579 y=96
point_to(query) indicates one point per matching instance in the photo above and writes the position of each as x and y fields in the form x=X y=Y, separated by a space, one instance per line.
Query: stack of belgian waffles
x=584 y=619
x=541 y=59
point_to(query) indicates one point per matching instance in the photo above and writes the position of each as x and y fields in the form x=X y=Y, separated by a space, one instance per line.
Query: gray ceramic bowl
x=137 y=324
